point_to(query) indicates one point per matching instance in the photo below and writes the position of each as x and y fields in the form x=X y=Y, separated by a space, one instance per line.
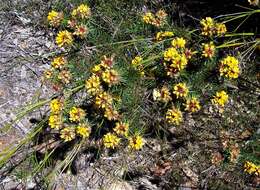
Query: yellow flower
x=48 y=73
x=68 y=134
x=54 y=18
x=64 y=76
x=81 y=31
x=136 y=142
x=82 y=11
x=174 y=116
x=208 y=50
x=56 y=106
x=162 y=95
x=103 y=100
x=93 y=85
x=208 y=26
x=148 y=18
x=229 y=67
x=83 y=130
x=192 y=105
x=178 y=43
x=55 y=121
x=170 y=54
x=161 y=35
x=136 y=61
x=58 y=62
x=76 y=114
x=121 y=128
x=111 y=114
x=251 y=168
x=64 y=38
x=97 y=69
x=110 y=76
x=180 y=90
x=221 y=29
x=175 y=61
x=111 y=141
x=220 y=99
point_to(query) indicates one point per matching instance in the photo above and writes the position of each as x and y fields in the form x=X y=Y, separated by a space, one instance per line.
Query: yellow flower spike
x=174 y=116
x=110 y=76
x=55 y=121
x=56 y=106
x=121 y=128
x=208 y=50
x=148 y=18
x=180 y=90
x=229 y=67
x=64 y=38
x=192 y=105
x=161 y=35
x=178 y=43
x=76 y=114
x=65 y=76
x=68 y=134
x=83 y=130
x=220 y=99
x=93 y=85
x=58 y=62
x=136 y=142
x=111 y=141
x=54 y=18
x=103 y=100
x=82 y=11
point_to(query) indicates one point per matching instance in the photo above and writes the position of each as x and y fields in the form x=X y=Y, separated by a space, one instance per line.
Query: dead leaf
x=217 y=158
x=162 y=169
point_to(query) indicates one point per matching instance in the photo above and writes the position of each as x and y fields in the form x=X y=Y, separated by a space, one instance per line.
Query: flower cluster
x=161 y=35
x=111 y=140
x=208 y=50
x=162 y=94
x=174 y=116
x=175 y=60
x=76 y=114
x=158 y=19
x=64 y=38
x=192 y=105
x=251 y=168
x=82 y=11
x=180 y=90
x=220 y=99
x=121 y=128
x=229 y=67
x=209 y=27
x=54 y=18
x=136 y=142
